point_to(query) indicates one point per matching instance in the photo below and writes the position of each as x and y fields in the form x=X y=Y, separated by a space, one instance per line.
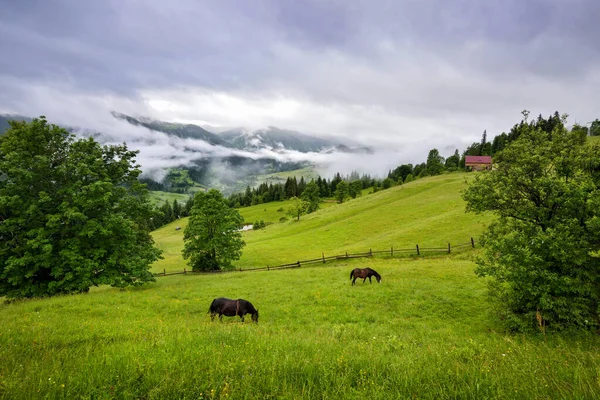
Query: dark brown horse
x=364 y=273
x=231 y=308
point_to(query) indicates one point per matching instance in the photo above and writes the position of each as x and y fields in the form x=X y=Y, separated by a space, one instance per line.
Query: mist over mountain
x=186 y=157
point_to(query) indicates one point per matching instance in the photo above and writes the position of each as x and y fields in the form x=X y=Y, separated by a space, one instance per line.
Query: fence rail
x=415 y=250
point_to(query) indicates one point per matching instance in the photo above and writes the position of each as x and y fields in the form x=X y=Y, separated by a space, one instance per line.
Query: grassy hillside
x=428 y=212
x=158 y=198
x=424 y=332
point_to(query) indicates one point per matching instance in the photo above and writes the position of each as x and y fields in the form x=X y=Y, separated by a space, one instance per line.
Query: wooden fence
x=418 y=251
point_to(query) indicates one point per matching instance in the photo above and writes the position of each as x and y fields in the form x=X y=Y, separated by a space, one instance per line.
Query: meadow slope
x=427 y=331
x=429 y=212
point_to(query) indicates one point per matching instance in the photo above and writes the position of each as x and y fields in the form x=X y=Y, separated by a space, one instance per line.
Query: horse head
x=255 y=316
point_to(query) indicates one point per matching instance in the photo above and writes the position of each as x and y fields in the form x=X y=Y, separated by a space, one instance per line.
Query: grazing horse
x=364 y=273
x=231 y=308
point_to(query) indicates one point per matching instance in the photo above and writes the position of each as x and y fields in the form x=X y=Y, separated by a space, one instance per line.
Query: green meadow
x=428 y=212
x=427 y=331
x=158 y=198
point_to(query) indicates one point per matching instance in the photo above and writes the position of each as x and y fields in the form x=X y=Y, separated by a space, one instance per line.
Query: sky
x=401 y=75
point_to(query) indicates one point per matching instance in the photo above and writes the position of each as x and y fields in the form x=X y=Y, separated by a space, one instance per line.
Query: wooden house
x=478 y=163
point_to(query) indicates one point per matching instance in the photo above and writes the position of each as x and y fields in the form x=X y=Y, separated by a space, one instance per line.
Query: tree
x=452 y=161
x=212 y=239
x=311 y=196
x=73 y=214
x=176 y=209
x=341 y=191
x=543 y=250
x=387 y=183
x=595 y=127
x=297 y=207
x=435 y=162
x=581 y=132
x=355 y=189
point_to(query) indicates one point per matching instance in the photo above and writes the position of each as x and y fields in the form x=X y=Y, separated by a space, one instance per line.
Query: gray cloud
x=407 y=75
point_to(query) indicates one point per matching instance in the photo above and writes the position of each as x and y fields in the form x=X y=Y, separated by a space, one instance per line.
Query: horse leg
x=353 y=280
x=364 y=280
x=220 y=317
x=242 y=317
x=370 y=280
x=212 y=316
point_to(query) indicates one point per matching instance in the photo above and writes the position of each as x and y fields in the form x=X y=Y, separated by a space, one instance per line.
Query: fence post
x=418 y=253
x=267 y=267
x=184 y=271
x=298 y=264
x=472 y=243
x=370 y=252
x=448 y=248
x=164 y=271
x=323 y=253
x=346 y=254
x=392 y=251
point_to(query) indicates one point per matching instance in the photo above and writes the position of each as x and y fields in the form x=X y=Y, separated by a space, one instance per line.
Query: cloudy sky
x=405 y=74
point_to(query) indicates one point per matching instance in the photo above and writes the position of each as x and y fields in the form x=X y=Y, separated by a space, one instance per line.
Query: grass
x=280 y=177
x=158 y=198
x=428 y=212
x=425 y=332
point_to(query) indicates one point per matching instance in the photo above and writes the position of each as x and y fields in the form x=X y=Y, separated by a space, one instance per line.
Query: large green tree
x=311 y=196
x=543 y=249
x=435 y=162
x=297 y=207
x=73 y=213
x=212 y=239
x=342 y=191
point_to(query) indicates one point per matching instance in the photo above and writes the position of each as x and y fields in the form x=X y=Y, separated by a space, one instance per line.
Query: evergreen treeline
x=267 y=192
x=434 y=165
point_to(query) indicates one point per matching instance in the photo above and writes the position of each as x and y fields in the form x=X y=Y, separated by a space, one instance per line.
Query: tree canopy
x=212 y=239
x=543 y=250
x=73 y=213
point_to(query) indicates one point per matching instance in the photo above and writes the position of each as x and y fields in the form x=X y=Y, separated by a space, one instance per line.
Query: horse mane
x=375 y=273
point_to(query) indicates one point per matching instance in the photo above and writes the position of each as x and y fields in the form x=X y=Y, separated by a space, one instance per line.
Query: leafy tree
x=341 y=191
x=595 y=128
x=418 y=169
x=409 y=178
x=387 y=183
x=212 y=239
x=297 y=208
x=452 y=161
x=73 y=214
x=581 y=132
x=543 y=250
x=435 y=162
x=311 y=196
x=355 y=189
x=400 y=173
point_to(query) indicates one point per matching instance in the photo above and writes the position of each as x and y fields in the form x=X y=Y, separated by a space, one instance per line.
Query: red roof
x=478 y=159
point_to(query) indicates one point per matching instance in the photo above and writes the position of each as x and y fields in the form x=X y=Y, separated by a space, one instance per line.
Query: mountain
x=5 y=118
x=184 y=131
x=228 y=170
x=276 y=139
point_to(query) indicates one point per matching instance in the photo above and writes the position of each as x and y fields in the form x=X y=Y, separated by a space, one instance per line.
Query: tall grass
x=424 y=332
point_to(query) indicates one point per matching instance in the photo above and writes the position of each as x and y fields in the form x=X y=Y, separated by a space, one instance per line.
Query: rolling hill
x=428 y=212
x=425 y=332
